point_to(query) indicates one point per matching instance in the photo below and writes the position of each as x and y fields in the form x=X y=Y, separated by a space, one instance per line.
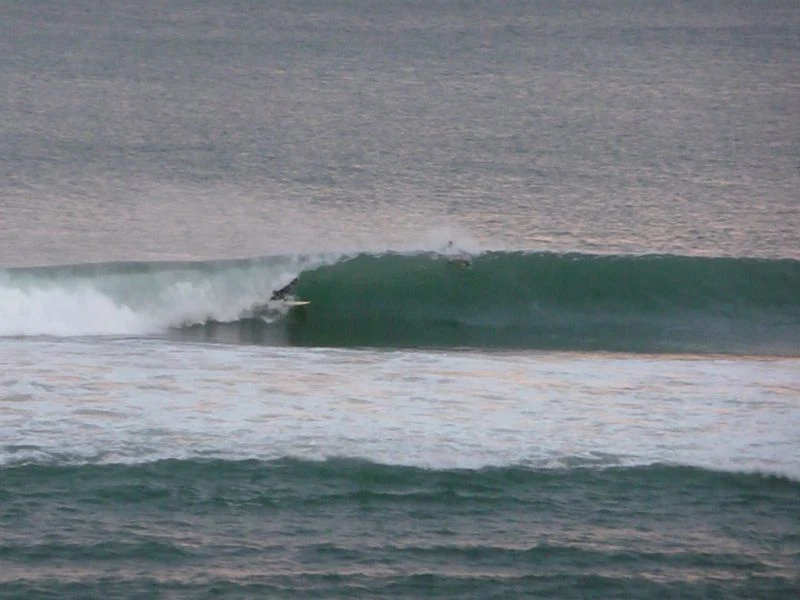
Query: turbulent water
x=551 y=258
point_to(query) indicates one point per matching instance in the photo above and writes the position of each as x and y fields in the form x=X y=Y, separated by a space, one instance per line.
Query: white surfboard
x=274 y=308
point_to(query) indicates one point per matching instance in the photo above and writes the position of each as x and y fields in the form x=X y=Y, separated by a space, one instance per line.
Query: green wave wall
x=545 y=300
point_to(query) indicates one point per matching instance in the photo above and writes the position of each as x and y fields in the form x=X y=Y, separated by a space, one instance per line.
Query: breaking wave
x=649 y=303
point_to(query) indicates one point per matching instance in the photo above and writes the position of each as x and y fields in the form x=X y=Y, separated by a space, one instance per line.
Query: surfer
x=282 y=293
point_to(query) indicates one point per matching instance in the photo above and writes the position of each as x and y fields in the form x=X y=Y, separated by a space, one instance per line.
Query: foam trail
x=152 y=400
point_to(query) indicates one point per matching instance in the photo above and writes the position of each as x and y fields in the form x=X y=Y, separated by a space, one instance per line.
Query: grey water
x=178 y=129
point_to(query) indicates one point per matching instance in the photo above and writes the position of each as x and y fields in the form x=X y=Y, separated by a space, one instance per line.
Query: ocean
x=551 y=251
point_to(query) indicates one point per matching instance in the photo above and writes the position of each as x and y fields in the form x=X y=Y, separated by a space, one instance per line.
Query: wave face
x=542 y=300
x=651 y=303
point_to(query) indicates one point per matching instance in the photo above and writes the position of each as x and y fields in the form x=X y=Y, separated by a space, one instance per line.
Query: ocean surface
x=552 y=254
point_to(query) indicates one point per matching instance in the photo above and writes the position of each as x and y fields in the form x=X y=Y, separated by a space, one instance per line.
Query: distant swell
x=346 y=477
x=652 y=303
x=288 y=529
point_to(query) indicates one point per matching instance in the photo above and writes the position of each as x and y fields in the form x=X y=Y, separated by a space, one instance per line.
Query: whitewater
x=136 y=298
x=151 y=400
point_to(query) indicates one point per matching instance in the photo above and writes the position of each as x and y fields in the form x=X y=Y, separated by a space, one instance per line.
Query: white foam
x=62 y=312
x=138 y=401
x=139 y=303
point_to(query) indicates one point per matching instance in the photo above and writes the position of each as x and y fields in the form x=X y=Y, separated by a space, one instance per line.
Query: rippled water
x=226 y=129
